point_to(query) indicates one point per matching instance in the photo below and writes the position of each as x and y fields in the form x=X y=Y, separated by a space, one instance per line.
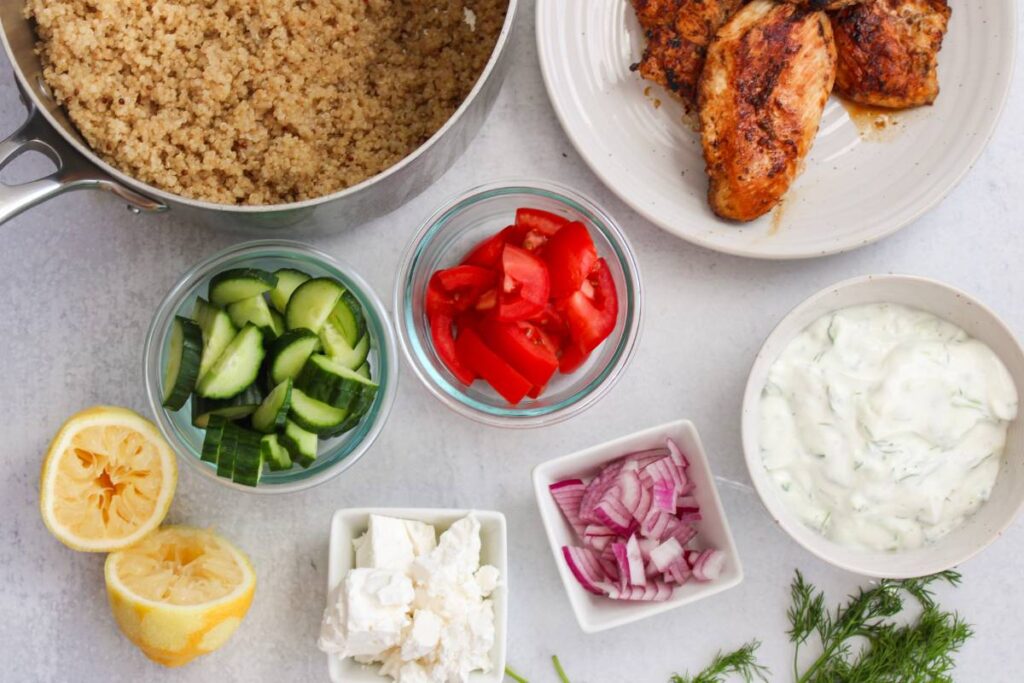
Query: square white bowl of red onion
x=622 y=554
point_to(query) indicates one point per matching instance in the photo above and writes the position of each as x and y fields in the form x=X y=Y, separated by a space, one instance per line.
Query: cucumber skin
x=330 y=383
x=289 y=439
x=248 y=465
x=274 y=454
x=256 y=281
x=357 y=311
x=235 y=408
x=226 y=451
x=188 y=363
x=212 y=439
x=356 y=413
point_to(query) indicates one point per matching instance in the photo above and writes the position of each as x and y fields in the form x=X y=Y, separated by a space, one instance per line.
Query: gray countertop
x=84 y=277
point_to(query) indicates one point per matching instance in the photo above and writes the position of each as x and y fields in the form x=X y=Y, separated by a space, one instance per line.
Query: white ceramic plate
x=349 y=524
x=1007 y=497
x=594 y=612
x=855 y=190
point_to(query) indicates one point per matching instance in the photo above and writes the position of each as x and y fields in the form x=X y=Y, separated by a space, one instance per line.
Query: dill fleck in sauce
x=884 y=426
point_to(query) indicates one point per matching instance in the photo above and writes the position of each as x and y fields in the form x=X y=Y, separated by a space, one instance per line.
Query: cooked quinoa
x=261 y=101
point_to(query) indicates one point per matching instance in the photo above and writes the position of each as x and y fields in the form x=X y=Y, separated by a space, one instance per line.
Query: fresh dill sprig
x=741 y=662
x=919 y=652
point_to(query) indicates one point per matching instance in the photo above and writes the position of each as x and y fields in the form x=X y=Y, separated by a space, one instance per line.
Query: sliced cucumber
x=272 y=413
x=312 y=302
x=274 y=454
x=350 y=300
x=256 y=311
x=337 y=347
x=344 y=320
x=288 y=280
x=330 y=382
x=248 y=458
x=237 y=366
x=236 y=284
x=290 y=352
x=184 y=355
x=234 y=408
x=212 y=439
x=364 y=370
x=300 y=443
x=356 y=412
x=277 y=320
x=313 y=415
x=217 y=332
x=227 y=449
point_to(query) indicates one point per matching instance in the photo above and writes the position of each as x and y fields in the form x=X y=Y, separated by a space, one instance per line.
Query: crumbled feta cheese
x=469 y=16
x=487 y=579
x=416 y=605
x=423 y=635
x=391 y=543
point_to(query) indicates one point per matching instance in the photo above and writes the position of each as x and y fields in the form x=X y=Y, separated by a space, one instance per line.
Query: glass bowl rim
x=159 y=328
x=453 y=396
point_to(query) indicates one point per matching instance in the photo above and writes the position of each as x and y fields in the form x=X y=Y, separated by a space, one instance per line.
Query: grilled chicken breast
x=678 y=33
x=767 y=78
x=825 y=4
x=888 y=51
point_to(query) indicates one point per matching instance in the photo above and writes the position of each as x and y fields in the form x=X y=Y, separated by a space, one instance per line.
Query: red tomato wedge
x=454 y=290
x=571 y=360
x=487 y=254
x=524 y=347
x=444 y=345
x=477 y=356
x=570 y=255
x=592 y=318
x=544 y=222
x=533 y=228
x=525 y=285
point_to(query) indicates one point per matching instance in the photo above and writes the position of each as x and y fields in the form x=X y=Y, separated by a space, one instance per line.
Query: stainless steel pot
x=48 y=130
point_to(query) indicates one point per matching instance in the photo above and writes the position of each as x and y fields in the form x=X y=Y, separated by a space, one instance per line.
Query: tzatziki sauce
x=883 y=426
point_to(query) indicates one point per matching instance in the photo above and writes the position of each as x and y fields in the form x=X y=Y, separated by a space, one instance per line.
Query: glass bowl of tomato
x=519 y=304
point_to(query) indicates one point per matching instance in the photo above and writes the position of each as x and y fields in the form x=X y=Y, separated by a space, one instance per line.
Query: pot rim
x=500 y=48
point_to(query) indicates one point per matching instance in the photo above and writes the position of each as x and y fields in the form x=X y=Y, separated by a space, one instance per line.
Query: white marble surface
x=83 y=277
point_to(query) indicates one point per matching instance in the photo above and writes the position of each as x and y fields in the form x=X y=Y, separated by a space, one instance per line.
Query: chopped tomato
x=570 y=255
x=476 y=355
x=524 y=347
x=533 y=228
x=592 y=318
x=571 y=360
x=551 y=322
x=525 y=285
x=454 y=290
x=444 y=345
x=487 y=254
x=544 y=222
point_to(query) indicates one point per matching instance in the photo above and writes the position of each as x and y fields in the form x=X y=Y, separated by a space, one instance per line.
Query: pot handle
x=74 y=172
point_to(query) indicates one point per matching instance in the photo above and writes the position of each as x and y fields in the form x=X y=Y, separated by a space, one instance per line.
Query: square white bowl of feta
x=416 y=595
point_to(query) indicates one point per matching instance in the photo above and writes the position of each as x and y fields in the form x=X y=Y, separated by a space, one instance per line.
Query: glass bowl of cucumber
x=271 y=366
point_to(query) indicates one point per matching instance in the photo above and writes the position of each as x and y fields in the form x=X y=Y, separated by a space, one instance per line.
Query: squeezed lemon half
x=179 y=593
x=107 y=481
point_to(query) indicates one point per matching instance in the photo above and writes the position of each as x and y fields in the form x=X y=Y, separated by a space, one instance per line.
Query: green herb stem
x=514 y=676
x=559 y=670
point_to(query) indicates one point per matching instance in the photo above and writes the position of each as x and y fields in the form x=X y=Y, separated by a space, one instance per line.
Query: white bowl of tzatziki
x=880 y=425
